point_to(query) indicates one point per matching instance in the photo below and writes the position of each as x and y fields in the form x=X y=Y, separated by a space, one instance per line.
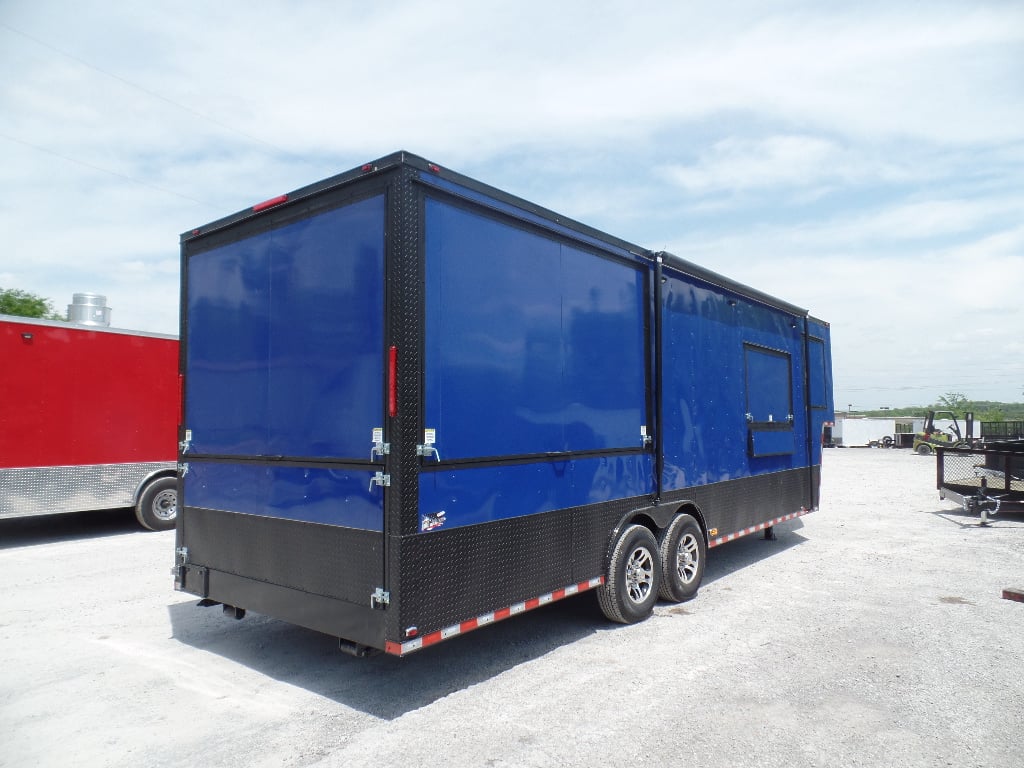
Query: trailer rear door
x=284 y=389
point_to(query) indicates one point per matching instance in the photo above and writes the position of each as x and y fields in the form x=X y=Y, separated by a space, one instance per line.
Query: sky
x=864 y=160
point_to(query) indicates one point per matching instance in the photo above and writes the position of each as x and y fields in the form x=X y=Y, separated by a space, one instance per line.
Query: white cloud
x=740 y=164
x=859 y=159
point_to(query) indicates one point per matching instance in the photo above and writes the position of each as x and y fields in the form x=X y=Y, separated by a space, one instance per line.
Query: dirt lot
x=872 y=633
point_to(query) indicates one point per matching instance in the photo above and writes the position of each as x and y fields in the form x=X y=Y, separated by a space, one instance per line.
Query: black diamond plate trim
x=405 y=331
x=406 y=302
x=733 y=505
x=452 y=575
x=342 y=563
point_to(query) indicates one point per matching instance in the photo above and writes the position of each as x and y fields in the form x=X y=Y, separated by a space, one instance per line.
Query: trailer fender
x=657 y=518
x=137 y=494
x=679 y=580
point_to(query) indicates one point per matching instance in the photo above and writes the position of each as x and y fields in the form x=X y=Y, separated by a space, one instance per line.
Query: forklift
x=930 y=438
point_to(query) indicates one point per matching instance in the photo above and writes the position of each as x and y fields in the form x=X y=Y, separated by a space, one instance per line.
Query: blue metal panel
x=704 y=390
x=329 y=496
x=604 y=379
x=816 y=370
x=820 y=375
x=771 y=443
x=518 y=212
x=532 y=346
x=285 y=339
x=468 y=496
x=769 y=379
x=326 y=374
x=493 y=354
x=228 y=326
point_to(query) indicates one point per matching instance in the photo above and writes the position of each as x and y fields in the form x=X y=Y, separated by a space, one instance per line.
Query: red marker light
x=393 y=381
x=270 y=203
x=434 y=168
x=366 y=168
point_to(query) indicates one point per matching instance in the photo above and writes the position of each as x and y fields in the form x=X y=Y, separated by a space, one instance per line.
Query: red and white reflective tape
x=756 y=528
x=400 y=649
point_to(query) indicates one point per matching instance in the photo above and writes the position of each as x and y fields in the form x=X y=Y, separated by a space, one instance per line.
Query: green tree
x=953 y=401
x=992 y=414
x=14 y=301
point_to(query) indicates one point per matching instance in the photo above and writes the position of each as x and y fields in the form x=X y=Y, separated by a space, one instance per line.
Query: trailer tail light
x=393 y=381
x=270 y=203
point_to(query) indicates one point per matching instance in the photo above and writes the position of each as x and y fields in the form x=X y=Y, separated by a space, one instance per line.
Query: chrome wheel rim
x=687 y=558
x=165 y=505
x=639 y=574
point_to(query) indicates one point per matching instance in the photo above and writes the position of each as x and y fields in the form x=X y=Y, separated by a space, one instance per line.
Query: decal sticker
x=429 y=437
x=430 y=522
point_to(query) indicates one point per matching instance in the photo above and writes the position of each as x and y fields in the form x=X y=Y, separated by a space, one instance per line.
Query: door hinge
x=379 y=478
x=380 y=599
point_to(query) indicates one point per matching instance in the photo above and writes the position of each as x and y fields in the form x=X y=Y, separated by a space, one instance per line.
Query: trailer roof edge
x=405 y=158
x=67 y=325
x=721 y=281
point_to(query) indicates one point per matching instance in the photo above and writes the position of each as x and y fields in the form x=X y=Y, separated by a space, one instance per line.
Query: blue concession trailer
x=415 y=405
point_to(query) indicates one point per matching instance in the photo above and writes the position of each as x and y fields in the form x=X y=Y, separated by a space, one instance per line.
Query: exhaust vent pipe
x=89 y=309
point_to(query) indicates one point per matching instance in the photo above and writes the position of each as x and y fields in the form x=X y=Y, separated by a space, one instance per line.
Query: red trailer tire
x=157 y=509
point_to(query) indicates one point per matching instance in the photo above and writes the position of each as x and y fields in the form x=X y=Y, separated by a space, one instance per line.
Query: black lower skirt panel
x=453 y=575
x=322 y=577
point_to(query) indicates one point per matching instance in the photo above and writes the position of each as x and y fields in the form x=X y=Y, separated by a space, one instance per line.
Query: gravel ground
x=871 y=633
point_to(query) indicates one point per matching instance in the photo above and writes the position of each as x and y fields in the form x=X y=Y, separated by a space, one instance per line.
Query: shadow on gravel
x=48 y=529
x=388 y=687
x=385 y=686
x=738 y=554
x=1006 y=518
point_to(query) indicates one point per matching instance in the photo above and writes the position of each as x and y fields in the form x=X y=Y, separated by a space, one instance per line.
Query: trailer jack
x=985 y=503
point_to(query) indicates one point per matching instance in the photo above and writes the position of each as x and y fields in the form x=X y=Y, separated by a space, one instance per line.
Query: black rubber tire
x=631 y=587
x=887 y=442
x=925 y=450
x=683 y=551
x=157 y=509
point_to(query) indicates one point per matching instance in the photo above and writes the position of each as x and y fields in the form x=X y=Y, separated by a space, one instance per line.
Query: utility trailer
x=415 y=405
x=88 y=420
x=997 y=431
x=983 y=480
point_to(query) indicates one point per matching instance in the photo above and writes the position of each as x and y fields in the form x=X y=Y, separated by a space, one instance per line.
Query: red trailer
x=88 y=420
